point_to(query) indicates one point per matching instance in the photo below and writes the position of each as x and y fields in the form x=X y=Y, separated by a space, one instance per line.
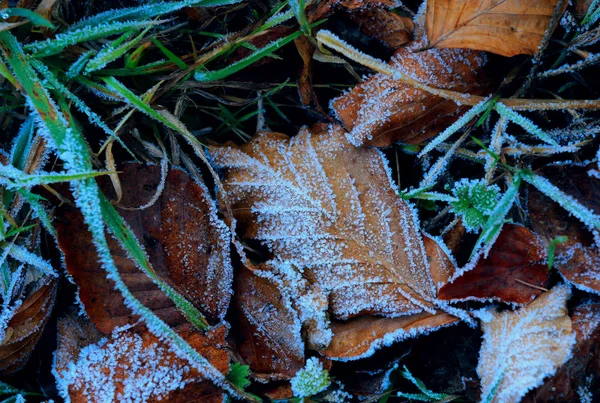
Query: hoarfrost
x=521 y=348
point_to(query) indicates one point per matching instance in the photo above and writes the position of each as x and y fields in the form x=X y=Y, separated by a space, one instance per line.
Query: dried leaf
x=505 y=27
x=134 y=366
x=516 y=258
x=577 y=259
x=361 y=337
x=381 y=110
x=26 y=326
x=386 y=26
x=187 y=244
x=577 y=378
x=520 y=348
x=345 y=243
x=268 y=328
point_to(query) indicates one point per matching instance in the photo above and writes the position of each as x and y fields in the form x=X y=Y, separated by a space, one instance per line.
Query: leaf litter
x=344 y=256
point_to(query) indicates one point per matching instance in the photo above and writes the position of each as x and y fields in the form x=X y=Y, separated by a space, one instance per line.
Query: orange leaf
x=360 y=337
x=345 y=244
x=25 y=327
x=134 y=366
x=268 y=328
x=505 y=27
x=381 y=111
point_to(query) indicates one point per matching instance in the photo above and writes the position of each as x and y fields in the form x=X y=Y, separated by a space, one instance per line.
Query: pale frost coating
x=124 y=369
x=311 y=379
x=521 y=348
x=343 y=240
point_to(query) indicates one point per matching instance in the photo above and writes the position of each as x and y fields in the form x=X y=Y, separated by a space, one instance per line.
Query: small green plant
x=475 y=200
x=311 y=379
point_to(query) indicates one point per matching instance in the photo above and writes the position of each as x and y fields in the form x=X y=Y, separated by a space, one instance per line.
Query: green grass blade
x=32 y=16
x=493 y=226
x=51 y=47
x=145 y=12
x=112 y=52
x=170 y=55
x=245 y=62
x=22 y=144
x=582 y=213
x=78 y=66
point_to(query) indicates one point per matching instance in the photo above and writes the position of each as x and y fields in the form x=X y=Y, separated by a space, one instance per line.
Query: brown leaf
x=186 y=242
x=386 y=26
x=521 y=348
x=381 y=111
x=268 y=328
x=578 y=259
x=305 y=50
x=134 y=366
x=579 y=376
x=360 y=337
x=516 y=258
x=25 y=327
x=345 y=243
x=506 y=27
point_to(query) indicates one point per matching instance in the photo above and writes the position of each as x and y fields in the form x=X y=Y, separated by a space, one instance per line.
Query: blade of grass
x=32 y=16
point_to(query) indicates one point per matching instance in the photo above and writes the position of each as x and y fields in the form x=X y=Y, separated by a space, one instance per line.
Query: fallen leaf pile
x=304 y=259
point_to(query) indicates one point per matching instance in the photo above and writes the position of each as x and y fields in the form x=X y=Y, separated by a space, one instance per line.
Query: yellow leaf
x=505 y=27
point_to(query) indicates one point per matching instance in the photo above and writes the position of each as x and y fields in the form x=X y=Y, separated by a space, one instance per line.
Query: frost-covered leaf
x=381 y=110
x=187 y=244
x=521 y=348
x=386 y=26
x=25 y=327
x=510 y=273
x=268 y=328
x=361 y=337
x=346 y=243
x=131 y=366
x=578 y=258
x=577 y=379
x=505 y=27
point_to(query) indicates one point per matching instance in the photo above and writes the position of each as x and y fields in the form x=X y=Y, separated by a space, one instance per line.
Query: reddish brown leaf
x=517 y=257
x=25 y=327
x=134 y=366
x=268 y=328
x=580 y=376
x=360 y=337
x=578 y=259
x=388 y=27
x=305 y=50
x=381 y=110
x=187 y=245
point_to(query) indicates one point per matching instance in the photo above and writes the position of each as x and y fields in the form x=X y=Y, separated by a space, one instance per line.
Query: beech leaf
x=505 y=27
x=521 y=348
x=134 y=366
x=345 y=243
x=381 y=111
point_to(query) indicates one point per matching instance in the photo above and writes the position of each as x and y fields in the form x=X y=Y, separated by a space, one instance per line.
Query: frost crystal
x=311 y=379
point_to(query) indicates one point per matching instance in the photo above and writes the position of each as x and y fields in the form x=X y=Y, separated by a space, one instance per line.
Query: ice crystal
x=475 y=202
x=311 y=379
